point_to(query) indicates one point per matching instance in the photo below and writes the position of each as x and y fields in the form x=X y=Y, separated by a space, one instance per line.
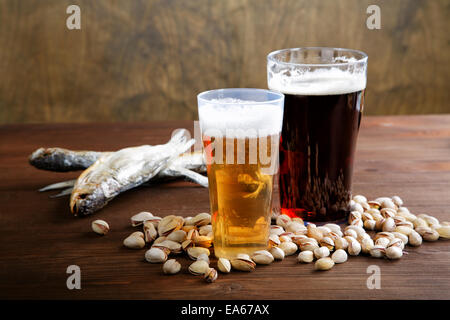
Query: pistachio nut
x=282 y=220
x=324 y=264
x=276 y=229
x=289 y=248
x=401 y=236
x=415 y=239
x=397 y=201
x=140 y=217
x=150 y=232
x=388 y=213
x=198 y=267
x=324 y=230
x=366 y=245
x=169 y=224
x=172 y=246
x=357 y=207
x=294 y=227
x=370 y=224
x=201 y=219
x=327 y=242
x=394 y=252
x=262 y=257
x=274 y=240
x=171 y=266
x=354 y=248
x=277 y=253
x=428 y=234
x=374 y=204
x=444 y=231
x=203 y=256
x=333 y=227
x=210 y=275
x=313 y=232
x=203 y=241
x=194 y=252
x=241 y=263
x=359 y=198
x=403 y=229
x=389 y=235
x=155 y=255
x=339 y=256
x=351 y=233
x=192 y=234
x=340 y=243
x=285 y=239
x=396 y=243
x=419 y=222
x=134 y=242
x=321 y=252
x=177 y=236
x=377 y=251
x=388 y=225
x=305 y=256
x=224 y=265
x=100 y=227
x=204 y=230
x=159 y=240
x=299 y=220
x=384 y=242
x=429 y=219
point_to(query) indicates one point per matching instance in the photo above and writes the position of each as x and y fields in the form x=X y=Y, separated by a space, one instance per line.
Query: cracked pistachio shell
x=177 y=236
x=294 y=226
x=262 y=257
x=384 y=242
x=444 y=231
x=324 y=264
x=277 y=253
x=377 y=251
x=210 y=275
x=134 y=241
x=203 y=256
x=140 y=218
x=321 y=252
x=201 y=219
x=172 y=246
x=339 y=256
x=155 y=255
x=198 y=267
x=194 y=252
x=359 y=198
x=289 y=248
x=243 y=264
x=224 y=265
x=100 y=227
x=282 y=220
x=305 y=257
x=401 y=236
x=150 y=232
x=277 y=230
x=354 y=248
x=394 y=252
x=340 y=243
x=415 y=239
x=397 y=201
x=171 y=266
x=169 y=224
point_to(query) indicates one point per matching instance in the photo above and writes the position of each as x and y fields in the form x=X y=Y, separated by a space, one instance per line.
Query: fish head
x=87 y=200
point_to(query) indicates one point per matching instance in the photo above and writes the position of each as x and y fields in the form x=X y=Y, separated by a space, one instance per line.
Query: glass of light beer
x=240 y=132
x=324 y=100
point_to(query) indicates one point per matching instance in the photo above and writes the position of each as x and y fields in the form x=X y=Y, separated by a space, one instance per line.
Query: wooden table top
x=407 y=156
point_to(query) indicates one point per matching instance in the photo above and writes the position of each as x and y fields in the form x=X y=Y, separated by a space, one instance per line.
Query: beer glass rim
x=362 y=59
x=278 y=96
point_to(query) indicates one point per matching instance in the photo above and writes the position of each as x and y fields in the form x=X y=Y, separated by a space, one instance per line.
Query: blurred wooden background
x=147 y=60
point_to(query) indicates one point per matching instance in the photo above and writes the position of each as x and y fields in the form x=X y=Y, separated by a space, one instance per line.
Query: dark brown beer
x=317 y=149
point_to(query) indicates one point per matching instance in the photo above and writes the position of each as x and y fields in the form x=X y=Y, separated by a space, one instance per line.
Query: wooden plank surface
x=405 y=155
x=146 y=60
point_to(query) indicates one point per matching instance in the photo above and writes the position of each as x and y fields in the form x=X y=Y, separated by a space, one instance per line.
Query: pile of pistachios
x=393 y=227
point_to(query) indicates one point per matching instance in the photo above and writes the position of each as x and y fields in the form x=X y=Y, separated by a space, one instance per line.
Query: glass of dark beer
x=324 y=99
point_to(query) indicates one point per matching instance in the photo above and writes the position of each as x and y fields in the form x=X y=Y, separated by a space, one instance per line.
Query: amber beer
x=324 y=100
x=240 y=196
x=241 y=141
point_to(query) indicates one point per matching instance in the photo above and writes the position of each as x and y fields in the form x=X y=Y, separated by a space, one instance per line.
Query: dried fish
x=122 y=170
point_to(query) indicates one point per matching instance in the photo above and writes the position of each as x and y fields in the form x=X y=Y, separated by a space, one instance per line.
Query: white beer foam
x=226 y=117
x=318 y=82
